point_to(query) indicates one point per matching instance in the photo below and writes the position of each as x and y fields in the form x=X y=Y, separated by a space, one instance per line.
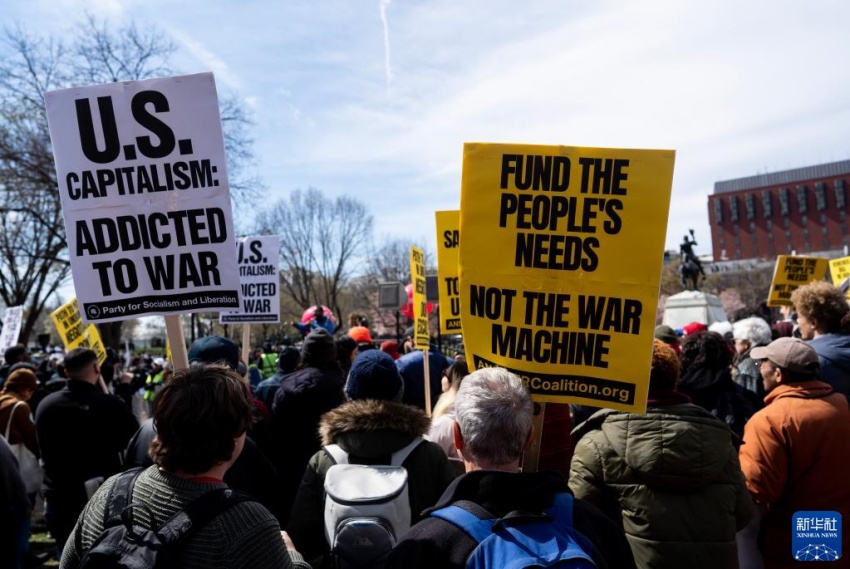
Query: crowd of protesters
x=747 y=423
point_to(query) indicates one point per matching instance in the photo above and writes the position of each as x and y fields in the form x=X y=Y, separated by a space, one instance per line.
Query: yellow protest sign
x=839 y=270
x=448 y=241
x=560 y=265
x=76 y=334
x=792 y=272
x=420 y=306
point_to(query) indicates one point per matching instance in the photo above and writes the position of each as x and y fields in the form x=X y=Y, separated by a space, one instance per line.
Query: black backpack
x=125 y=544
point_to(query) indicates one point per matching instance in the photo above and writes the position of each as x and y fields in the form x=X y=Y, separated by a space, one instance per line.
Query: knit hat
x=694 y=327
x=287 y=359
x=360 y=334
x=665 y=369
x=19 y=380
x=783 y=329
x=373 y=375
x=723 y=327
x=390 y=347
x=214 y=349
x=319 y=348
x=665 y=334
x=792 y=354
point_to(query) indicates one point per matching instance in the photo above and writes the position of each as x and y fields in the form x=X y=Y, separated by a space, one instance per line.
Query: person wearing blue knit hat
x=370 y=427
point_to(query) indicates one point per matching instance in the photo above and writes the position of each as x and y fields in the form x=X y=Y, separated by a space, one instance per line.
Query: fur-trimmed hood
x=370 y=427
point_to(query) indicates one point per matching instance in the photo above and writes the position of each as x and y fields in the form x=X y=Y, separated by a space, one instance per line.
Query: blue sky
x=376 y=98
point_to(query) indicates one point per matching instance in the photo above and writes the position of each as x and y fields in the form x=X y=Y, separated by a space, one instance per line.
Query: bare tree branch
x=33 y=251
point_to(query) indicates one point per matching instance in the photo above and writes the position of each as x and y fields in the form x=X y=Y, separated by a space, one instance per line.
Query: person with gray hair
x=749 y=333
x=492 y=430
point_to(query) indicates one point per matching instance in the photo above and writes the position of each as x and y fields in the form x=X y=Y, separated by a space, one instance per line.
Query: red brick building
x=803 y=210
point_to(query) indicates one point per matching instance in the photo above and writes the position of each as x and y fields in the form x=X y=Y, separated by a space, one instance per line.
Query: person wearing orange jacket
x=796 y=451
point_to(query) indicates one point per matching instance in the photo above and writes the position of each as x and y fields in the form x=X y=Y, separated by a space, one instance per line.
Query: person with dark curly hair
x=707 y=379
x=823 y=318
x=202 y=415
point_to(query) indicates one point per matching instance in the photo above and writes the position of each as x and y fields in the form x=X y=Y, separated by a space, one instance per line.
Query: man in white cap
x=796 y=451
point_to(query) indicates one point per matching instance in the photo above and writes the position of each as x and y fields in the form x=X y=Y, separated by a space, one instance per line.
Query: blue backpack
x=523 y=539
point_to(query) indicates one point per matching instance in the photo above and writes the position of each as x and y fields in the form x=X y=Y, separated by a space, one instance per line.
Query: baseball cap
x=792 y=354
x=214 y=349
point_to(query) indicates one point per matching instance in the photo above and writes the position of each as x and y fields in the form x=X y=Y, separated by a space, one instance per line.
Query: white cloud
x=735 y=88
x=211 y=61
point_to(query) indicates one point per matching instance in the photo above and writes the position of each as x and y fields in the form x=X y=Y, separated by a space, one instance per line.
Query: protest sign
x=448 y=242
x=839 y=270
x=420 y=304
x=259 y=259
x=792 y=272
x=560 y=265
x=12 y=321
x=74 y=332
x=145 y=197
x=421 y=337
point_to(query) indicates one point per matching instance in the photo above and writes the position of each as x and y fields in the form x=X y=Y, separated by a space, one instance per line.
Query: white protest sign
x=259 y=259
x=12 y=321
x=145 y=196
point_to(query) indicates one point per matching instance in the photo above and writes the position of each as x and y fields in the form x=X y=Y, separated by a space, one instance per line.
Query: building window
x=766 y=203
x=750 y=204
x=769 y=225
x=823 y=218
x=824 y=231
x=820 y=196
x=770 y=236
x=733 y=208
x=839 y=194
x=783 y=201
x=786 y=223
x=771 y=249
x=802 y=199
x=804 y=219
x=788 y=247
x=718 y=210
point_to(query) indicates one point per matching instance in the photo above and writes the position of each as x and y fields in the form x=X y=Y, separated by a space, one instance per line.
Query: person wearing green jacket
x=670 y=476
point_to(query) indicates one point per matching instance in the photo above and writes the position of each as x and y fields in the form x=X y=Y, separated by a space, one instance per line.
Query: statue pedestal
x=693 y=306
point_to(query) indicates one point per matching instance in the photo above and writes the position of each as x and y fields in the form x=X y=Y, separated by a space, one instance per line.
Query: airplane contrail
x=387 y=67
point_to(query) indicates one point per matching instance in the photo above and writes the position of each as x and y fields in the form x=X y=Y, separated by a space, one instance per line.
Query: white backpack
x=366 y=508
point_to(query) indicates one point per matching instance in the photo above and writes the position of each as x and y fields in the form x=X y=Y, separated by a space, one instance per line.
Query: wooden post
x=246 y=343
x=174 y=330
x=427 y=383
x=531 y=457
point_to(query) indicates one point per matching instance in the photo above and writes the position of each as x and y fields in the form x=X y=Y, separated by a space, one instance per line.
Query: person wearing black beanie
x=302 y=398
